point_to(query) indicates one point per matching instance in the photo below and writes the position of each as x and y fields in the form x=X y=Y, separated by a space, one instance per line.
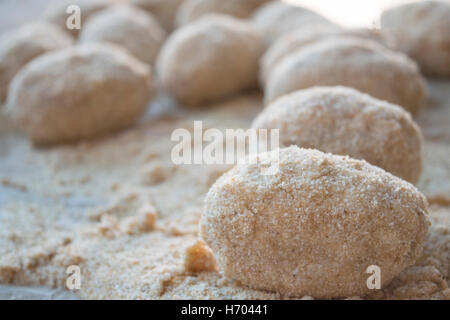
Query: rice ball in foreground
x=129 y=27
x=315 y=227
x=164 y=10
x=57 y=13
x=210 y=59
x=191 y=10
x=79 y=93
x=301 y=37
x=352 y=62
x=276 y=18
x=422 y=30
x=344 y=121
x=20 y=46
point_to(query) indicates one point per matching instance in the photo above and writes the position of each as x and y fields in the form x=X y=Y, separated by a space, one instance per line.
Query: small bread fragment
x=313 y=228
x=20 y=46
x=344 y=121
x=422 y=30
x=301 y=37
x=191 y=10
x=199 y=258
x=129 y=27
x=352 y=62
x=210 y=59
x=164 y=10
x=57 y=14
x=79 y=93
x=276 y=18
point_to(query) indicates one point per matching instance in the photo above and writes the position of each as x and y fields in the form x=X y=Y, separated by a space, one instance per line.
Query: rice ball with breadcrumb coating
x=301 y=37
x=313 y=228
x=164 y=10
x=132 y=28
x=191 y=10
x=422 y=30
x=345 y=121
x=78 y=93
x=276 y=18
x=210 y=59
x=20 y=46
x=352 y=62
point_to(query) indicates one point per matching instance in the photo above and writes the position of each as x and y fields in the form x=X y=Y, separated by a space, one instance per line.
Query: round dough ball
x=277 y=18
x=313 y=228
x=20 y=46
x=164 y=10
x=352 y=62
x=344 y=121
x=301 y=37
x=422 y=30
x=210 y=59
x=57 y=14
x=191 y=10
x=129 y=27
x=78 y=93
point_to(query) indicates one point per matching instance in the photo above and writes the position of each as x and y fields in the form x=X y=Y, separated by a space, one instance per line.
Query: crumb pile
x=126 y=217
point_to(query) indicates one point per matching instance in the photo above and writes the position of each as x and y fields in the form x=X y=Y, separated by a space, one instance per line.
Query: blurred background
x=350 y=13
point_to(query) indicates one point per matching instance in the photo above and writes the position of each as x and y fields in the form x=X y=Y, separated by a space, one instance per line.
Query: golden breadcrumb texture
x=422 y=31
x=344 y=121
x=313 y=228
x=352 y=62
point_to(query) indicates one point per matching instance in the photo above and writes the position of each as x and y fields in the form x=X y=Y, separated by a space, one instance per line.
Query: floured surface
x=88 y=205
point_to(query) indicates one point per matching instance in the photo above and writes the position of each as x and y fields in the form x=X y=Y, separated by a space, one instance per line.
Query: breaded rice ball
x=422 y=30
x=313 y=228
x=57 y=14
x=344 y=121
x=352 y=62
x=20 y=46
x=129 y=27
x=210 y=59
x=191 y=10
x=164 y=10
x=78 y=93
x=277 y=18
x=301 y=37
